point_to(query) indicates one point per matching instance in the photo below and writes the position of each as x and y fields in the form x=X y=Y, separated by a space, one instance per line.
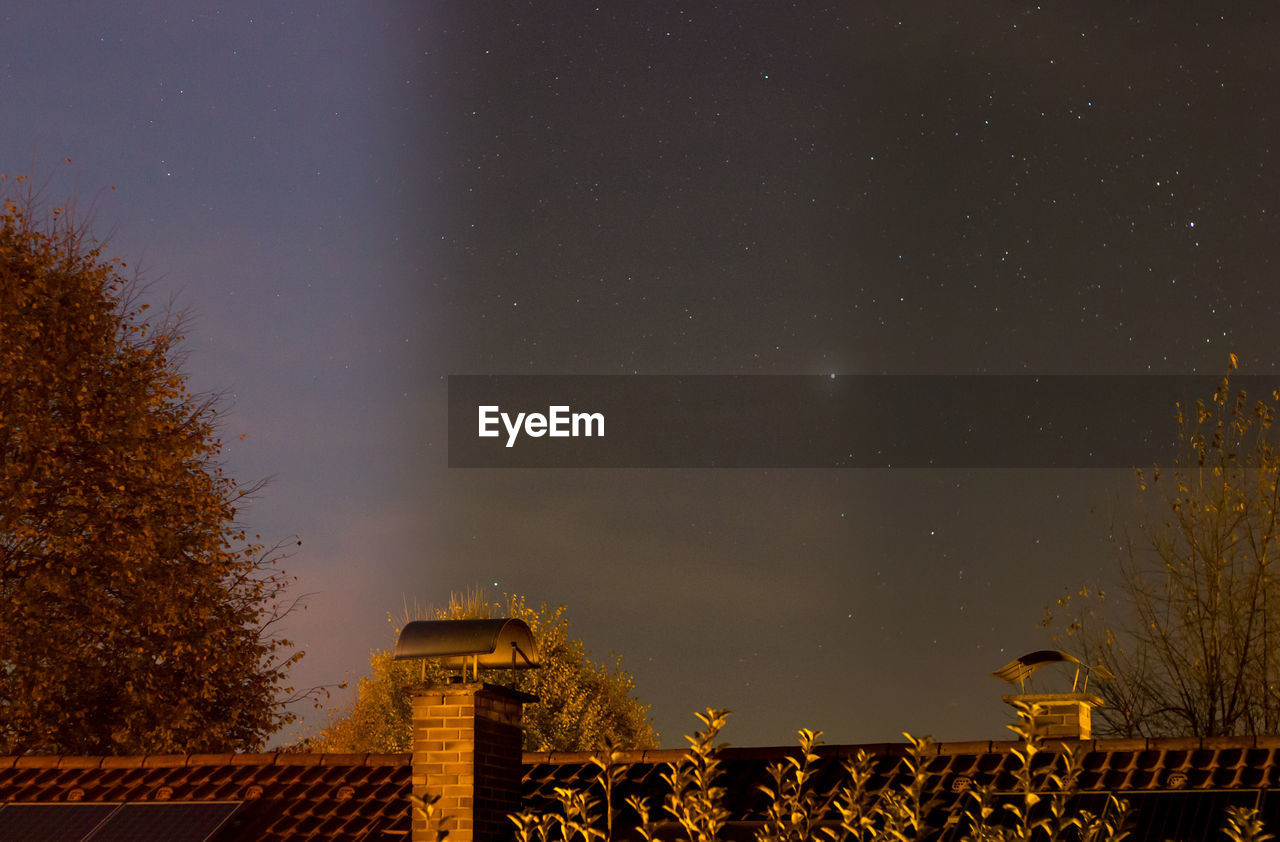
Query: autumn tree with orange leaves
x=582 y=705
x=135 y=615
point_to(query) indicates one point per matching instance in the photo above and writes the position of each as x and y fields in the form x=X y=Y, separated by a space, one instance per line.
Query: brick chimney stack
x=467 y=744
x=1059 y=716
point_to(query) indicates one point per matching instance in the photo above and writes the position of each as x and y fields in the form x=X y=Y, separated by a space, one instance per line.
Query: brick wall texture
x=1065 y=720
x=1067 y=716
x=466 y=761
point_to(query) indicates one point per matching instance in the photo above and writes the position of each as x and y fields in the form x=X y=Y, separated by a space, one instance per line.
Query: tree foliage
x=582 y=705
x=1193 y=634
x=137 y=616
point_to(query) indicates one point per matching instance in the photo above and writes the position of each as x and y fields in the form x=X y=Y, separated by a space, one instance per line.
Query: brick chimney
x=1058 y=716
x=467 y=743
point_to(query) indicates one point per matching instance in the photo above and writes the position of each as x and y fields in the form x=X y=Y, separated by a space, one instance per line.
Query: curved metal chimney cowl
x=478 y=644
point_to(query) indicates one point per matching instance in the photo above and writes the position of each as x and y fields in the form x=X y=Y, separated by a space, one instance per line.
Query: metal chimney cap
x=479 y=644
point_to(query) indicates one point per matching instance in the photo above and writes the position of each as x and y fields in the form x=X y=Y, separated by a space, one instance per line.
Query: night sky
x=356 y=200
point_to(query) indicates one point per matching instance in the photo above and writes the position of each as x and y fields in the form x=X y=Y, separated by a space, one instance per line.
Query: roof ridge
x=156 y=761
x=1218 y=743
x=287 y=758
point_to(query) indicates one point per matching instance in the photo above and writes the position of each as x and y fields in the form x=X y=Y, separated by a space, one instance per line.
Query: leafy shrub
x=862 y=806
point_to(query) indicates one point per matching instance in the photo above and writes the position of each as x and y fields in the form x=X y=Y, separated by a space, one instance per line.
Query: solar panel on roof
x=51 y=822
x=1271 y=808
x=169 y=822
x=1160 y=816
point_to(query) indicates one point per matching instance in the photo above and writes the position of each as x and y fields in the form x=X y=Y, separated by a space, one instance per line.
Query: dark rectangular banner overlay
x=852 y=421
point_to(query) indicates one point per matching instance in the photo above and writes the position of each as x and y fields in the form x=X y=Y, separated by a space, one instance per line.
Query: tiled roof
x=1139 y=765
x=366 y=796
x=284 y=796
x=1171 y=784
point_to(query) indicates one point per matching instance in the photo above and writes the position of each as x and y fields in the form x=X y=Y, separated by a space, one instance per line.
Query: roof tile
x=71 y=761
x=122 y=762
x=297 y=796
x=970 y=748
x=1127 y=744
x=164 y=761
x=28 y=762
x=342 y=759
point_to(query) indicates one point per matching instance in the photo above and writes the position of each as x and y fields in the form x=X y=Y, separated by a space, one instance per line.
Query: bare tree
x=1192 y=636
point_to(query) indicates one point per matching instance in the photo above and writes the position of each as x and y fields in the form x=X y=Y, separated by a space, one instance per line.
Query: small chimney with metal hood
x=467 y=734
x=1060 y=716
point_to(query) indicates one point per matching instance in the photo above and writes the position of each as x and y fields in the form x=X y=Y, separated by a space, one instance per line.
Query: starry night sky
x=355 y=203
